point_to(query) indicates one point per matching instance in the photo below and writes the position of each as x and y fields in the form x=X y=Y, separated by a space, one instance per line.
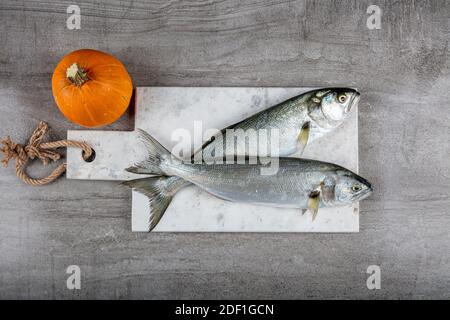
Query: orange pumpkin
x=91 y=88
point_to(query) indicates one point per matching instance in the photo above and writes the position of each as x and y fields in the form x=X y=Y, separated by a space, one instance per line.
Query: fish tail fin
x=160 y=191
x=157 y=156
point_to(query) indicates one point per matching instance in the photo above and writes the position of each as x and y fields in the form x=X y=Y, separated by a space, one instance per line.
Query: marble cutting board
x=162 y=110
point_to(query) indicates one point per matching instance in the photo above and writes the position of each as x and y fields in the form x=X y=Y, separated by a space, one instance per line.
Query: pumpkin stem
x=76 y=75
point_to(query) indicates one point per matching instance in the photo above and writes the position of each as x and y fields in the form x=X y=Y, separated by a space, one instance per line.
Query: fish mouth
x=363 y=195
x=353 y=102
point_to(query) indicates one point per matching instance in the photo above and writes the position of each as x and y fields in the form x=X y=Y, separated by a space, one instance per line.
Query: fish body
x=291 y=125
x=289 y=187
x=298 y=183
x=321 y=111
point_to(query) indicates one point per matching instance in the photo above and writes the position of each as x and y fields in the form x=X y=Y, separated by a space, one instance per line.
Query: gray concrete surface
x=402 y=71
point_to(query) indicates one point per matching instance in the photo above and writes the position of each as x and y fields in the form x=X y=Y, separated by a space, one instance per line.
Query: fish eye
x=342 y=97
x=356 y=188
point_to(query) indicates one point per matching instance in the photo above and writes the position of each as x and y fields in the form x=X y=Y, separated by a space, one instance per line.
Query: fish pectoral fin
x=303 y=136
x=304 y=211
x=313 y=203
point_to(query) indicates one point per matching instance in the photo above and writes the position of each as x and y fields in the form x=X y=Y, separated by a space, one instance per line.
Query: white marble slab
x=162 y=110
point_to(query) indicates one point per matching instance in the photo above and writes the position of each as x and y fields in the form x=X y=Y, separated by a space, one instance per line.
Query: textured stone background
x=402 y=71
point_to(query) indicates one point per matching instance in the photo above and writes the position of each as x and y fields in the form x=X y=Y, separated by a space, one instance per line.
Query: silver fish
x=298 y=183
x=299 y=121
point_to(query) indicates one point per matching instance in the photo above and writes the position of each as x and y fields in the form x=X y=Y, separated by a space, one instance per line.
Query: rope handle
x=41 y=150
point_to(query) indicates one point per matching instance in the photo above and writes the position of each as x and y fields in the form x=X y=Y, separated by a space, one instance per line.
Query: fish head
x=350 y=187
x=335 y=103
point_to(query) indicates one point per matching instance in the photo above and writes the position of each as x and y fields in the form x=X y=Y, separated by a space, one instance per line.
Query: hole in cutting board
x=91 y=157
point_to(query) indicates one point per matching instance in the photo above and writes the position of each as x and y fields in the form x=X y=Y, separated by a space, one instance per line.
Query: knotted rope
x=41 y=150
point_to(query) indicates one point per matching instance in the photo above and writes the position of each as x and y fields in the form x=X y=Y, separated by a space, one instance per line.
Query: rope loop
x=36 y=149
